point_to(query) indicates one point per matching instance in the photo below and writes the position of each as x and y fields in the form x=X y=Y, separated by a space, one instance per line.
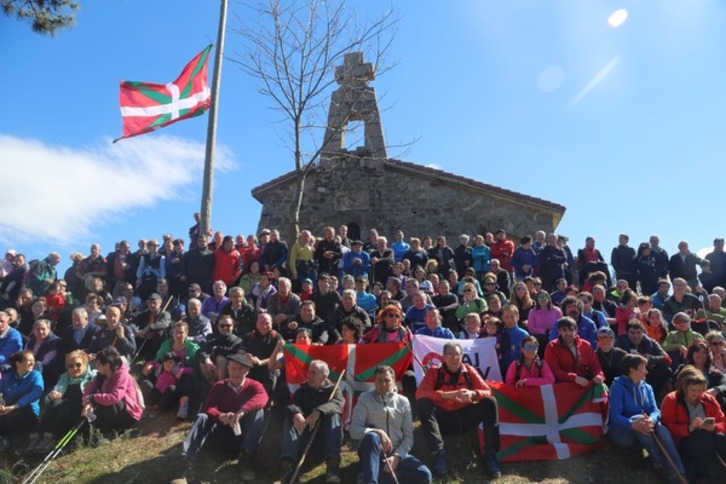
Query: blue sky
x=623 y=126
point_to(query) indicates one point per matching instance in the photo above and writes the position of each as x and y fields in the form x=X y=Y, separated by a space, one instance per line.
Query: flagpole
x=208 y=182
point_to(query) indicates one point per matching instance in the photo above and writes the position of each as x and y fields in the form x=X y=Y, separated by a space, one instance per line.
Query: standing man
x=454 y=397
x=328 y=252
x=44 y=273
x=623 y=261
x=357 y=262
x=661 y=257
x=503 y=250
x=399 y=247
x=382 y=421
x=314 y=403
x=232 y=414
x=717 y=258
x=552 y=261
x=683 y=264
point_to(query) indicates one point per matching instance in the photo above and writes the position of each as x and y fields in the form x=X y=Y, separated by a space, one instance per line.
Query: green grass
x=151 y=455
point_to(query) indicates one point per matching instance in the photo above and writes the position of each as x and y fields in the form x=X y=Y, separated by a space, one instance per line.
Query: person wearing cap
x=307 y=289
x=233 y=416
x=79 y=335
x=151 y=325
x=316 y=402
x=357 y=262
x=608 y=355
x=115 y=333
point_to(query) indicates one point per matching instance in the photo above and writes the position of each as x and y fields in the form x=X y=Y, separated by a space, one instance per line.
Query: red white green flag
x=359 y=362
x=551 y=422
x=146 y=107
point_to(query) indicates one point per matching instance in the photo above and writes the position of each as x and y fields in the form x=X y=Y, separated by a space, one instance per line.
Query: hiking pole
x=314 y=432
x=410 y=349
x=668 y=457
x=390 y=469
x=143 y=343
x=720 y=459
x=35 y=474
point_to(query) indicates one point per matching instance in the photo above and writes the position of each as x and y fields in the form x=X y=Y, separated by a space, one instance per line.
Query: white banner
x=479 y=353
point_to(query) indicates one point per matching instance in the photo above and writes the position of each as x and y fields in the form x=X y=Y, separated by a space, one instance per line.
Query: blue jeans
x=628 y=438
x=252 y=424
x=330 y=431
x=410 y=470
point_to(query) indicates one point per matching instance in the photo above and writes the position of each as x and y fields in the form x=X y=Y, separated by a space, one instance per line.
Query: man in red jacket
x=453 y=398
x=233 y=415
x=571 y=358
x=503 y=250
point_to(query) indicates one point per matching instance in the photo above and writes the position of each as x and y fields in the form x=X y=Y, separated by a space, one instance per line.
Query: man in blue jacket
x=11 y=341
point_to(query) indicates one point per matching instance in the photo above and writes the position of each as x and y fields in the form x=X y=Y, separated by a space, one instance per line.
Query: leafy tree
x=46 y=16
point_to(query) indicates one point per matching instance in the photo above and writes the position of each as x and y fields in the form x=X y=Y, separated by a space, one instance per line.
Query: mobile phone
x=709 y=421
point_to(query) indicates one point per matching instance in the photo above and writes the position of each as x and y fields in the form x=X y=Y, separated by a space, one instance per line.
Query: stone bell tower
x=354 y=100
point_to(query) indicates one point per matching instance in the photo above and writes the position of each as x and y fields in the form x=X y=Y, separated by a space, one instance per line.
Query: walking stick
x=668 y=458
x=143 y=343
x=40 y=468
x=390 y=469
x=314 y=432
x=720 y=459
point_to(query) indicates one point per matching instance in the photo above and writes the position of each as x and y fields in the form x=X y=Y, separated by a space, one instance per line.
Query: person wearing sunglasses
x=389 y=328
x=529 y=369
x=63 y=404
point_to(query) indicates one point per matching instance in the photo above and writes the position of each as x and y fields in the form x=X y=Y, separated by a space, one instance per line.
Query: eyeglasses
x=468 y=290
x=225 y=325
x=530 y=347
x=392 y=315
x=75 y=365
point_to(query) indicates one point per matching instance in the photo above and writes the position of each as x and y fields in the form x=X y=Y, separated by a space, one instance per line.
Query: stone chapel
x=365 y=189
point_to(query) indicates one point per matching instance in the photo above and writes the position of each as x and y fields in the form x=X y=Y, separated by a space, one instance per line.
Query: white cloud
x=598 y=78
x=60 y=193
x=618 y=18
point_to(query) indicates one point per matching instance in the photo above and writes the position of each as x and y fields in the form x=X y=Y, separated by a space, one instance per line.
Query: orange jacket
x=471 y=381
x=674 y=414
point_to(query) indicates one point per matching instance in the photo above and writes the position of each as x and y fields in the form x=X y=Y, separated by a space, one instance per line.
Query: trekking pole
x=143 y=343
x=40 y=468
x=668 y=458
x=720 y=459
x=314 y=432
x=410 y=349
x=390 y=469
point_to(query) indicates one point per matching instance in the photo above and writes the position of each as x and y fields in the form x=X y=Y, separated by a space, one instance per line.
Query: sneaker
x=34 y=441
x=332 y=474
x=439 y=467
x=492 y=464
x=153 y=412
x=245 y=466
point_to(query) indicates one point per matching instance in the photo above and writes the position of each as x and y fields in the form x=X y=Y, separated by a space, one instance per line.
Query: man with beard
x=572 y=358
x=586 y=328
x=636 y=341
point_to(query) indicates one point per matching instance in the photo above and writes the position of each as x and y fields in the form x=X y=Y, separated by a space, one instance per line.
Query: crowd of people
x=200 y=332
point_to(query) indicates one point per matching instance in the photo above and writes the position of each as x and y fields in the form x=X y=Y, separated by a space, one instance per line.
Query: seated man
x=416 y=314
x=306 y=319
x=313 y=404
x=213 y=356
x=78 y=336
x=636 y=341
x=433 y=326
x=200 y=327
x=151 y=327
x=383 y=423
x=232 y=415
x=571 y=358
x=348 y=309
x=262 y=347
x=285 y=305
x=455 y=397
x=242 y=313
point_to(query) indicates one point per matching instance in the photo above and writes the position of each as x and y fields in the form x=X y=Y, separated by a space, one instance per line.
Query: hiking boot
x=246 y=466
x=34 y=441
x=439 y=467
x=332 y=474
x=288 y=469
x=46 y=444
x=492 y=463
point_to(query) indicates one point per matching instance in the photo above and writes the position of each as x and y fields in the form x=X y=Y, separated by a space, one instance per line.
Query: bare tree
x=292 y=49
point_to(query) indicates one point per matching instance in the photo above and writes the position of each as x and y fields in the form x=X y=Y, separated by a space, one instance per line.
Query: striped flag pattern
x=146 y=107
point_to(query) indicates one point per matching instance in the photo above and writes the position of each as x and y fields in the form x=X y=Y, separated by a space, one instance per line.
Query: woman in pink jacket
x=112 y=395
x=529 y=369
x=542 y=318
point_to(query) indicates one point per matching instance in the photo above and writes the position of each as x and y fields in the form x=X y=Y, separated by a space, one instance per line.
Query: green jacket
x=190 y=351
x=675 y=339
